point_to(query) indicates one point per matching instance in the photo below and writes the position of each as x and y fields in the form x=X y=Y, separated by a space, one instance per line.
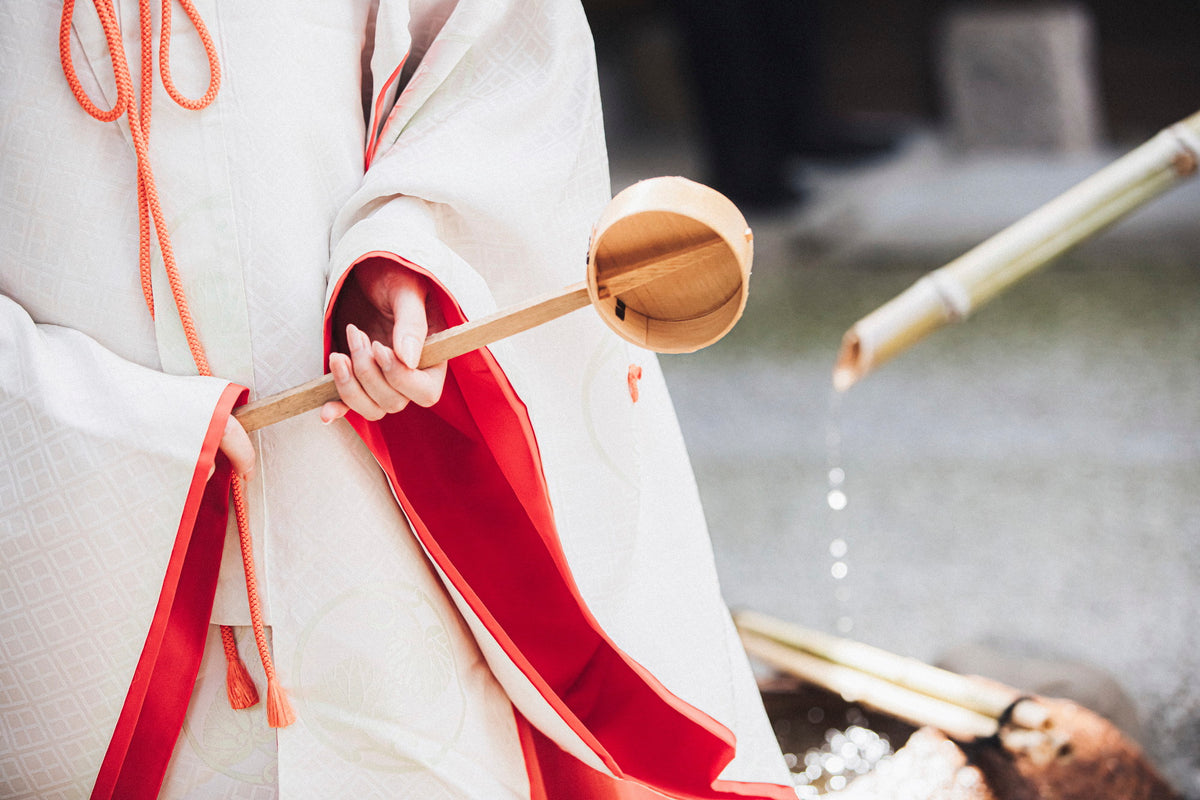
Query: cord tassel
x=239 y=686
x=279 y=708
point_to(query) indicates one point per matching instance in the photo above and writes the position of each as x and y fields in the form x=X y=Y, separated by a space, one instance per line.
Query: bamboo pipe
x=982 y=700
x=952 y=292
x=856 y=686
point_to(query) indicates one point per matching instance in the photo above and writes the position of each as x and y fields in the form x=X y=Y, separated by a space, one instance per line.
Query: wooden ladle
x=668 y=269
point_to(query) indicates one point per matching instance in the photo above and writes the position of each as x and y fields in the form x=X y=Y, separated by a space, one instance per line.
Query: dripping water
x=837 y=500
x=857 y=749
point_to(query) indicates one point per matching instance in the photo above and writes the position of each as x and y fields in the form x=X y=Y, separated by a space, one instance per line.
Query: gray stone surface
x=1020 y=77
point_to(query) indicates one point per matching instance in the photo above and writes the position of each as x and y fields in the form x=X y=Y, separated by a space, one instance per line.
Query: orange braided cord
x=239 y=686
x=278 y=708
x=210 y=50
x=116 y=50
x=279 y=712
x=149 y=208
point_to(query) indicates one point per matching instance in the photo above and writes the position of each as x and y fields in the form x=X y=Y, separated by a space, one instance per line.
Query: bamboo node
x=1184 y=164
x=1187 y=141
x=954 y=298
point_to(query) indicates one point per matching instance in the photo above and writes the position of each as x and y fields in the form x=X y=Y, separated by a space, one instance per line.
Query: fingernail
x=339 y=369
x=410 y=352
x=354 y=337
x=383 y=355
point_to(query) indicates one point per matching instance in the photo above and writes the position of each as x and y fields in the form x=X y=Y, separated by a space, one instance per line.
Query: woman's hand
x=380 y=324
x=237 y=447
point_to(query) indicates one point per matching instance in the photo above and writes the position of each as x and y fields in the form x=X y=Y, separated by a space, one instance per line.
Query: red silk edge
x=151 y=718
x=554 y=773
x=376 y=128
x=707 y=745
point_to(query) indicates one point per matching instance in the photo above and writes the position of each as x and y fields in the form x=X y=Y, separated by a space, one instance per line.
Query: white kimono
x=422 y=615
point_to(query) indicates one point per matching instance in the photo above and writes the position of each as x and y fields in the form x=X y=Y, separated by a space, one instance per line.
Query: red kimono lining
x=469 y=476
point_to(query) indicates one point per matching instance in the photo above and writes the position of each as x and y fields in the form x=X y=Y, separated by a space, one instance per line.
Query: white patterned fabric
x=488 y=170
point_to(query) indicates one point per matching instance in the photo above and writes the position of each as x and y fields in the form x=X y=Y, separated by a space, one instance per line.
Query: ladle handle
x=439 y=347
x=484 y=331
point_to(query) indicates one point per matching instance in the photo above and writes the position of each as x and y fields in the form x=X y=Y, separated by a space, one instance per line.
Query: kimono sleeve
x=488 y=167
x=486 y=174
x=103 y=466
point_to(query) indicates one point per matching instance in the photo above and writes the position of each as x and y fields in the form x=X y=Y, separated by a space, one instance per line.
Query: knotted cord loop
x=150 y=215
x=164 y=57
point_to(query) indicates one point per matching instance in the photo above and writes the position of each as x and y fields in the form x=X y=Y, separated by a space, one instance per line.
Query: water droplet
x=876 y=750
x=837 y=783
x=833 y=764
x=860 y=736
x=845 y=624
x=839 y=570
x=838 y=548
x=836 y=499
x=837 y=476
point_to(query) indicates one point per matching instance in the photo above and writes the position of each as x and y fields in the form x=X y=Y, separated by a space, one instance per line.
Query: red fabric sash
x=469 y=476
x=152 y=716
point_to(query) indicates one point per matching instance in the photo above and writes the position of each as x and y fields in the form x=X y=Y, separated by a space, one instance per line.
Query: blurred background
x=1018 y=491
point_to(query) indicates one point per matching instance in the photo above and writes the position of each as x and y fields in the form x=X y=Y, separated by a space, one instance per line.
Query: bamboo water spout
x=951 y=293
